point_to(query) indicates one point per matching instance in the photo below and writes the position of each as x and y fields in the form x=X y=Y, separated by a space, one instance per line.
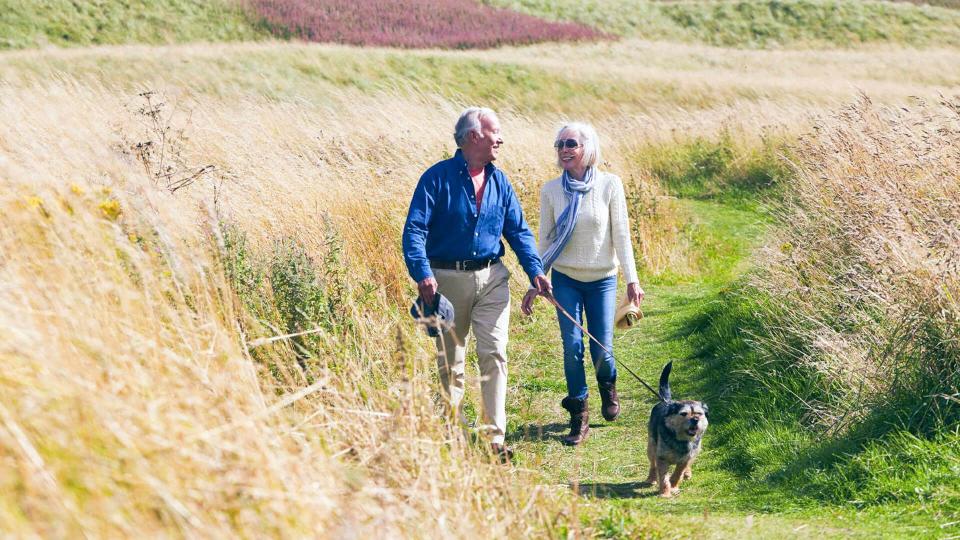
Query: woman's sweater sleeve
x=620 y=226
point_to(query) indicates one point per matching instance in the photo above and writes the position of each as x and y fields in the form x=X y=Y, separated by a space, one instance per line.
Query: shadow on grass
x=538 y=432
x=625 y=490
x=545 y=432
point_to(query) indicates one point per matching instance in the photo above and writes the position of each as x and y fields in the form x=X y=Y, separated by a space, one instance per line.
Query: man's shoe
x=579 y=420
x=610 y=402
x=502 y=452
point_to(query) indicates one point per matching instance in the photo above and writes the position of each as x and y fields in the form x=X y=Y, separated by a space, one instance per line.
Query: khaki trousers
x=481 y=300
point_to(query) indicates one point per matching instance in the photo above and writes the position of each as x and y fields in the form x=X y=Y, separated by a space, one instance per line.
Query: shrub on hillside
x=457 y=24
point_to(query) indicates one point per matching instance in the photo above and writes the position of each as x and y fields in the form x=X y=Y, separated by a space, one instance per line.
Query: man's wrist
x=423 y=275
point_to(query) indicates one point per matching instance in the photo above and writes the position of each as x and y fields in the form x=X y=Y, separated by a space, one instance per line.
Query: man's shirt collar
x=461 y=163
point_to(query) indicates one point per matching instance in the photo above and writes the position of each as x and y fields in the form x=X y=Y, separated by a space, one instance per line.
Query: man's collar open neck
x=473 y=163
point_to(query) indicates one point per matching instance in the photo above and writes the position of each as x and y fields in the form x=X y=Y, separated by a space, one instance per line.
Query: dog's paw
x=670 y=494
x=687 y=474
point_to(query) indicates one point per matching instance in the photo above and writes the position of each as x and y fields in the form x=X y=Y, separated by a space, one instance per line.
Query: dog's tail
x=665 y=381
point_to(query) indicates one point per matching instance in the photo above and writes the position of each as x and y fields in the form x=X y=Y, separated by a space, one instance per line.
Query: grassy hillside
x=759 y=23
x=26 y=23
x=464 y=24
x=410 y=23
x=158 y=246
x=666 y=81
x=953 y=4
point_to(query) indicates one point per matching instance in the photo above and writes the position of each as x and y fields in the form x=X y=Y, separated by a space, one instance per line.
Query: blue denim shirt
x=443 y=224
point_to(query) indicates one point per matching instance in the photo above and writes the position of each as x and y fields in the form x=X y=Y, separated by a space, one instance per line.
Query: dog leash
x=553 y=301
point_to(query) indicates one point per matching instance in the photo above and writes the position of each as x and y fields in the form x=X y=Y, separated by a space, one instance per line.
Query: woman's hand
x=634 y=293
x=526 y=307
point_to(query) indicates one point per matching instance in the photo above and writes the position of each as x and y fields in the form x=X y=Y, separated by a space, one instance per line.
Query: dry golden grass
x=865 y=275
x=131 y=402
x=596 y=80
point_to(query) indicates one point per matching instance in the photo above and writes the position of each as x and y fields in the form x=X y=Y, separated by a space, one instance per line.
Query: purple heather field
x=456 y=24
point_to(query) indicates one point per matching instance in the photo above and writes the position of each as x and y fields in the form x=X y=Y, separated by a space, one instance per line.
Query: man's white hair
x=588 y=138
x=469 y=122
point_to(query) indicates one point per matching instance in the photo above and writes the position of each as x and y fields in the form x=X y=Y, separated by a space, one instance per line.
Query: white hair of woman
x=587 y=137
x=469 y=122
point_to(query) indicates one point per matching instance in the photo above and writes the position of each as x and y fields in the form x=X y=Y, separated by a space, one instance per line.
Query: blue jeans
x=598 y=299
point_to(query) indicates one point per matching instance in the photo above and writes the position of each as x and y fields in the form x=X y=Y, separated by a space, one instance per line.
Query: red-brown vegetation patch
x=455 y=24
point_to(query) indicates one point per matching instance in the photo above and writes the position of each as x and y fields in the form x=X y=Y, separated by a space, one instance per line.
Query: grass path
x=609 y=468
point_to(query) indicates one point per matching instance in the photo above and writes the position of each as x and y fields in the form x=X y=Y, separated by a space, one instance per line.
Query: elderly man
x=451 y=243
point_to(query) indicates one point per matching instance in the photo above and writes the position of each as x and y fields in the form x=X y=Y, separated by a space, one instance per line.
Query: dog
x=673 y=437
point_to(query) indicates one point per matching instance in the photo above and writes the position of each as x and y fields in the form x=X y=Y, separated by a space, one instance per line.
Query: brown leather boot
x=610 y=402
x=579 y=420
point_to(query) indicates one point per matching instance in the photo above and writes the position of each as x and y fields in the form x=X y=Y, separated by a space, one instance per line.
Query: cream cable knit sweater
x=601 y=238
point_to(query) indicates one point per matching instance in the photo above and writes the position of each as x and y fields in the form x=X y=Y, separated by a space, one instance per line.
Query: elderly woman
x=585 y=237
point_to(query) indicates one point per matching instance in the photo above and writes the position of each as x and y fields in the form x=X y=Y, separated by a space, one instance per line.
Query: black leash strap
x=553 y=301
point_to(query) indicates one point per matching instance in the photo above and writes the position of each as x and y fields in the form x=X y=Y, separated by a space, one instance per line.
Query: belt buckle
x=460 y=265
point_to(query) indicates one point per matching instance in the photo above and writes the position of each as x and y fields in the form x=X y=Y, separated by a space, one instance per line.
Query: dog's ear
x=706 y=410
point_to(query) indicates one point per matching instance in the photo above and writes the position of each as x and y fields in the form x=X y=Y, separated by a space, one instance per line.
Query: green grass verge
x=758 y=23
x=28 y=23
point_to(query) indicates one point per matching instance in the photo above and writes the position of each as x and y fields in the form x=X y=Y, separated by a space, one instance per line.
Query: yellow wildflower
x=34 y=201
x=110 y=208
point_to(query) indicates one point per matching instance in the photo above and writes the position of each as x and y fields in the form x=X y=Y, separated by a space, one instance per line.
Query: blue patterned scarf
x=563 y=230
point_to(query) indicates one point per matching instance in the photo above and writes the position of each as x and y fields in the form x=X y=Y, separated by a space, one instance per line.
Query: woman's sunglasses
x=566 y=143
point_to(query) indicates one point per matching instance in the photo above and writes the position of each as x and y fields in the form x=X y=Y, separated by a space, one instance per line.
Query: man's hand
x=526 y=307
x=428 y=290
x=634 y=293
x=542 y=284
